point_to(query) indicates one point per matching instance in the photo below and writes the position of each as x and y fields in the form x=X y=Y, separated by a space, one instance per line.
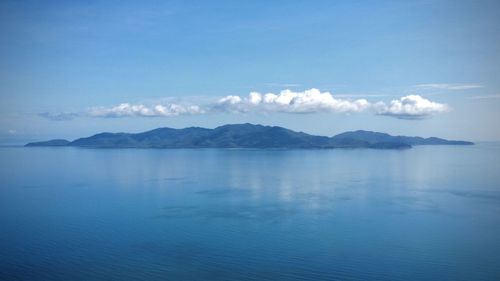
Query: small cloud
x=62 y=116
x=484 y=97
x=410 y=107
x=283 y=85
x=363 y=95
x=131 y=110
x=11 y=132
x=452 y=87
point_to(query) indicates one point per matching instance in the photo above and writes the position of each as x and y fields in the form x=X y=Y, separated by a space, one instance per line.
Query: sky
x=75 y=68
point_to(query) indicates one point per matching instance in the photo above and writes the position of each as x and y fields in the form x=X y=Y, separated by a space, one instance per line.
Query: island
x=245 y=136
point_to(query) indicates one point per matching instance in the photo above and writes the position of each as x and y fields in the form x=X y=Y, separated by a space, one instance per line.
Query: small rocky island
x=245 y=136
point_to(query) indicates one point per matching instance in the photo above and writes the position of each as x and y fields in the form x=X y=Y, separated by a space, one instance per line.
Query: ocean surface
x=426 y=213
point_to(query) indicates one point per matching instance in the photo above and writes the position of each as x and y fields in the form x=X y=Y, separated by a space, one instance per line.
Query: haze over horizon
x=418 y=68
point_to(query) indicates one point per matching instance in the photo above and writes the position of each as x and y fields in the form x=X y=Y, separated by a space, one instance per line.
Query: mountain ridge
x=245 y=136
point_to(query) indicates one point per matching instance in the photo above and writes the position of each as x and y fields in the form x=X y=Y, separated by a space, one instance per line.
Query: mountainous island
x=245 y=136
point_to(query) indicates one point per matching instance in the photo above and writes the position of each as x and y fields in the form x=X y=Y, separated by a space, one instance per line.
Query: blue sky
x=426 y=68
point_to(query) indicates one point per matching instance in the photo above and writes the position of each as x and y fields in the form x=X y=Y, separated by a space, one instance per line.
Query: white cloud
x=283 y=85
x=61 y=116
x=130 y=110
x=484 y=97
x=255 y=98
x=410 y=107
x=308 y=101
x=445 y=86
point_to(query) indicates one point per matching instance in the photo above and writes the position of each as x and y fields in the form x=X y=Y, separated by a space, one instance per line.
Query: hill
x=245 y=136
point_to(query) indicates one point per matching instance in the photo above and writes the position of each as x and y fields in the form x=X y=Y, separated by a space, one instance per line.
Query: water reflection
x=207 y=214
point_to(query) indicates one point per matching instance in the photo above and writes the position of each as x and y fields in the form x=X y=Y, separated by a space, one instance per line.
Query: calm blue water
x=428 y=213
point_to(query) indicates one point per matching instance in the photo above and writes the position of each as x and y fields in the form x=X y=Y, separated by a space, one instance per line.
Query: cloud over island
x=410 y=107
x=158 y=110
x=286 y=101
x=308 y=101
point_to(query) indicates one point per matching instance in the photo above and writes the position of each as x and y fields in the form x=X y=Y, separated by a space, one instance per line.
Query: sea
x=425 y=213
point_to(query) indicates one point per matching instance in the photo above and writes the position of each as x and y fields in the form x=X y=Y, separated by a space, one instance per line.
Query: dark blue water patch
x=31 y=186
x=170 y=179
x=224 y=192
x=276 y=213
x=476 y=195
